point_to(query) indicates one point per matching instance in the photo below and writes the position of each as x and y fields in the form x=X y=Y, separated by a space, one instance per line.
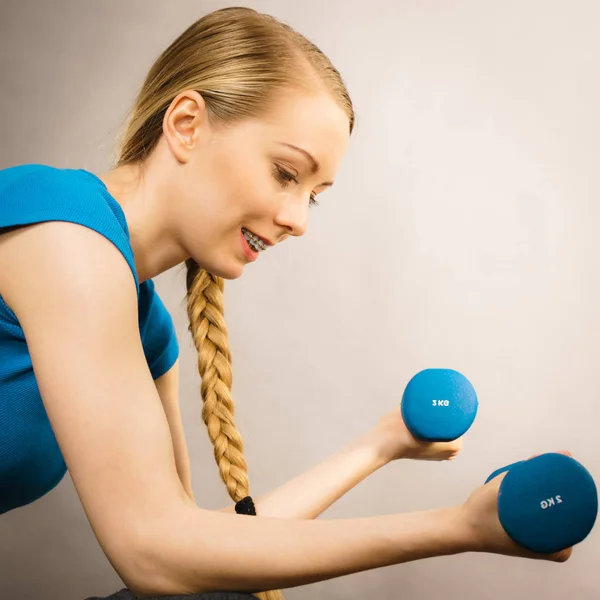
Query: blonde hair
x=236 y=58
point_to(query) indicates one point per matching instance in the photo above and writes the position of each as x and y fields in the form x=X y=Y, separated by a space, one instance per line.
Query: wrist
x=455 y=530
x=382 y=447
x=465 y=534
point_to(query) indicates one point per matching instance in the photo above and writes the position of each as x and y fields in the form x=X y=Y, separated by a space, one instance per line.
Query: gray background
x=461 y=233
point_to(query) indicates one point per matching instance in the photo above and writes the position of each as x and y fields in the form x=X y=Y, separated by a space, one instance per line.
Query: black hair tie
x=245 y=507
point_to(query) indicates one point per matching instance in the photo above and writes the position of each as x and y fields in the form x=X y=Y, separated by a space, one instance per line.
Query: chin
x=222 y=264
x=229 y=276
x=232 y=271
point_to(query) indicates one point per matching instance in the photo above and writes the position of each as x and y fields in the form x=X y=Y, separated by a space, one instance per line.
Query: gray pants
x=125 y=594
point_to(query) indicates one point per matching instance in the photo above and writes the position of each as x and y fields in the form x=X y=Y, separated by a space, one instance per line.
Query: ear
x=185 y=124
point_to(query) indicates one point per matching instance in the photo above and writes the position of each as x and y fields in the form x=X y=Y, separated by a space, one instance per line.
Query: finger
x=564 y=555
x=560 y=557
x=565 y=452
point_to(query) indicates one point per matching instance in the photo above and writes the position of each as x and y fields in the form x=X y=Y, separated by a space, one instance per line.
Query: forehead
x=312 y=121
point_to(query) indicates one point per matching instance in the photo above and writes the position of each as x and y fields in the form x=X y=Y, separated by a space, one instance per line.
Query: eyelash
x=284 y=178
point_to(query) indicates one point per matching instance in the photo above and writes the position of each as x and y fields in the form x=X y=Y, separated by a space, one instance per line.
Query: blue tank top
x=31 y=463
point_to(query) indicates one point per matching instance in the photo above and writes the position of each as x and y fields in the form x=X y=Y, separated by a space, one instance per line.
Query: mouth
x=256 y=243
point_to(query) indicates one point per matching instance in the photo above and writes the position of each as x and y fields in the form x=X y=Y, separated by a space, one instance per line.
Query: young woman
x=240 y=124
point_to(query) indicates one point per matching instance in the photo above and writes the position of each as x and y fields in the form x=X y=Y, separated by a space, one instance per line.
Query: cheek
x=244 y=186
x=251 y=193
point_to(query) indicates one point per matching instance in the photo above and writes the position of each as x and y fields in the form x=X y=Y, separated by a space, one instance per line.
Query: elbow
x=146 y=579
x=142 y=567
x=166 y=556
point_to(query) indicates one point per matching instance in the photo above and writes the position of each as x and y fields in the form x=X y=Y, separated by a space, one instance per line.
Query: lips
x=249 y=252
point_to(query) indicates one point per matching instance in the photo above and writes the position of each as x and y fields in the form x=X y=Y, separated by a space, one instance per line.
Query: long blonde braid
x=209 y=332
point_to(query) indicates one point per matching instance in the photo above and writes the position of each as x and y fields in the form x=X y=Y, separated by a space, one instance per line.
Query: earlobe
x=183 y=122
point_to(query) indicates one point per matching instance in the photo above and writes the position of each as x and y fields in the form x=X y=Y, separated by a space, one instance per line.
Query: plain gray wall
x=461 y=233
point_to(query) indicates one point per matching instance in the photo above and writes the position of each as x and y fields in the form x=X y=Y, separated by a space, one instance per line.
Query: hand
x=393 y=440
x=484 y=532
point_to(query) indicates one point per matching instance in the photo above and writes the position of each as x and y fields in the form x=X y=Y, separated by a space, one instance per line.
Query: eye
x=285 y=178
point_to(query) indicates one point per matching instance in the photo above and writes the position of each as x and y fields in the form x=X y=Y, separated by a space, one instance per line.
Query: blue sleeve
x=159 y=338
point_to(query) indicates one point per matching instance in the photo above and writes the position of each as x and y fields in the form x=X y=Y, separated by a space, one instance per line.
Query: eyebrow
x=315 y=166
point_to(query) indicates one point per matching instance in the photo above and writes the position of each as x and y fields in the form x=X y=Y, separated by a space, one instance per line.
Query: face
x=238 y=190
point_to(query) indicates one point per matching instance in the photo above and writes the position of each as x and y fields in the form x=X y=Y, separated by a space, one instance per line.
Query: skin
x=203 y=182
x=200 y=186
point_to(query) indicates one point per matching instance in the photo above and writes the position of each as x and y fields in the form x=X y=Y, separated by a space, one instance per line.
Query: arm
x=107 y=416
x=168 y=390
x=304 y=497
x=315 y=490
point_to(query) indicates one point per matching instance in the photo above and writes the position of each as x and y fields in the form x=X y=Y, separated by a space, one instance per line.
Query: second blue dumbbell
x=547 y=503
x=439 y=405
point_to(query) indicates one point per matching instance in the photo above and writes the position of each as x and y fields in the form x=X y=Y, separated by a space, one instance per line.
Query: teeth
x=254 y=242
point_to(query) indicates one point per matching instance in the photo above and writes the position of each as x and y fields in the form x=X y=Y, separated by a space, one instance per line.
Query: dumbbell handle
x=502 y=470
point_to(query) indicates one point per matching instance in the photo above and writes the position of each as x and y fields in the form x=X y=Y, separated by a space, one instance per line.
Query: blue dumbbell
x=439 y=405
x=547 y=503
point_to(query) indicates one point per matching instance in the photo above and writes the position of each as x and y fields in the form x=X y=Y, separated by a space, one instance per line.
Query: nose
x=293 y=217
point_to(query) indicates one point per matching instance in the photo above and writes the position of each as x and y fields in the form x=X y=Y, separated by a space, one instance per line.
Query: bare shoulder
x=54 y=251
x=75 y=297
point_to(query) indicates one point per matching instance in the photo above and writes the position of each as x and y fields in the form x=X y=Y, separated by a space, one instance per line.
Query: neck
x=155 y=248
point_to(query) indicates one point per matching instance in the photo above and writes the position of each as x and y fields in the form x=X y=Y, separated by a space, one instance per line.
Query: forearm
x=182 y=460
x=167 y=387
x=198 y=551
x=312 y=492
x=180 y=451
